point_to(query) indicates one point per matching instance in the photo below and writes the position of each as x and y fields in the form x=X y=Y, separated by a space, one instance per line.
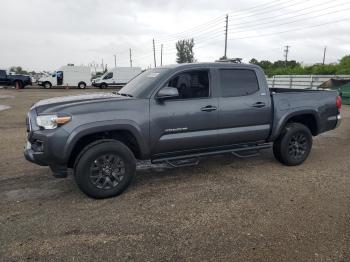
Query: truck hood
x=66 y=101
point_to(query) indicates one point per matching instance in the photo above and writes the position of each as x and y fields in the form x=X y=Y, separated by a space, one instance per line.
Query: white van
x=116 y=77
x=70 y=75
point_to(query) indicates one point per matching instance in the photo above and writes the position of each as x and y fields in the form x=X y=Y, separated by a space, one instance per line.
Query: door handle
x=208 y=108
x=259 y=104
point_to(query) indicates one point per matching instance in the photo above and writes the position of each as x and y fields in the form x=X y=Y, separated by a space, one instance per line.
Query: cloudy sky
x=46 y=34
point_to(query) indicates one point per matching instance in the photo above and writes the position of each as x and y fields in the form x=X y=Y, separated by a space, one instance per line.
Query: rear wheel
x=81 y=85
x=105 y=168
x=18 y=85
x=294 y=145
x=47 y=85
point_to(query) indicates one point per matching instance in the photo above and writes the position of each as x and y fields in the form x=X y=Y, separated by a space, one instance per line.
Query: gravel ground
x=225 y=209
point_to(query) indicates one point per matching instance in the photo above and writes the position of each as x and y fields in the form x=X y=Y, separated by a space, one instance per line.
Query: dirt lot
x=225 y=209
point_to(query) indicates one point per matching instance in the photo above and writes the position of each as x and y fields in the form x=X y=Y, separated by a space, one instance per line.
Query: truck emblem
x=180 y=129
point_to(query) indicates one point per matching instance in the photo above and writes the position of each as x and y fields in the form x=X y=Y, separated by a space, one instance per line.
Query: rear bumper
x=339 y=119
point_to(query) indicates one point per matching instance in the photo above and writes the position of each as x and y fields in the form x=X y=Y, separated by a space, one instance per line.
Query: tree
x=254 y=61
x=344 y=65
x=18 y=70
x=185 y=51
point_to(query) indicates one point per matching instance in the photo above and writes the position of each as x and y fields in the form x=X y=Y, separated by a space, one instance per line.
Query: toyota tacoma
x=175 y=115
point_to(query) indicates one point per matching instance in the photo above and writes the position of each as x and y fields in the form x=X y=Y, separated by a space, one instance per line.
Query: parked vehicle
x=79 y=76
x=116 y=77
x=15 y=80
x=176 y=115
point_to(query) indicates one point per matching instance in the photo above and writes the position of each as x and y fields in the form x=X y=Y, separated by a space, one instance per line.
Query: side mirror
x=167 y=92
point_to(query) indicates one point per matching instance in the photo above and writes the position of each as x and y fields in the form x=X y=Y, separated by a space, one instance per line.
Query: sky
x=46 y=34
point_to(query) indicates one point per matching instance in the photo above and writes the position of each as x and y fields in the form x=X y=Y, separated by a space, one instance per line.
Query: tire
x=82 y=85
x=47 y=85
x=294 y=145
x=95 y=170
x=18 y=84
x=103 y=86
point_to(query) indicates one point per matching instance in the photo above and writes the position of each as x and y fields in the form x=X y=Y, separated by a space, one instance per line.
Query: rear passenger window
x=238 y=82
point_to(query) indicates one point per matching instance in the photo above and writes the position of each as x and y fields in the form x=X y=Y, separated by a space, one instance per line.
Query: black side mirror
x=168 y=92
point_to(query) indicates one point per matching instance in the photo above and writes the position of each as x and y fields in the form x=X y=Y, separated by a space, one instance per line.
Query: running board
x=237 y=152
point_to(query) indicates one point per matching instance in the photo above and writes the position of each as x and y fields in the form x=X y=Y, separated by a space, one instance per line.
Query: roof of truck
x=209 y=64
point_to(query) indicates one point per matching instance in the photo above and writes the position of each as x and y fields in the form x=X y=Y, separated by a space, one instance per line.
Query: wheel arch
x=84 y=135
x=82 y=82
x=309 y=118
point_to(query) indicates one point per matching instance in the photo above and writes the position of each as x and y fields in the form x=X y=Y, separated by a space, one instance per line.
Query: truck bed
x=320 y=104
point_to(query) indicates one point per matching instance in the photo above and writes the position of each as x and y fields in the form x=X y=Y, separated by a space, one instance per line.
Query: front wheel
x=103 y=86
x=47 y=85
x=105 y=168
x=294 y=145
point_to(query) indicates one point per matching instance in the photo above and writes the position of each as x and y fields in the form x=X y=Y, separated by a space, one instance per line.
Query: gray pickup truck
x=175 y=114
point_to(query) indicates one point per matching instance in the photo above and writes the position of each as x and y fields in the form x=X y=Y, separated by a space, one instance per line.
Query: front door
x=245 y=109
x=186 y=122
x=59 y=76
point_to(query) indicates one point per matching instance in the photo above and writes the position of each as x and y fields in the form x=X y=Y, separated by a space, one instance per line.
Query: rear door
x=188 y=122
x=244 y=107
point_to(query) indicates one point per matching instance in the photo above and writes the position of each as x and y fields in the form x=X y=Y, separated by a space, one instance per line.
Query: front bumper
x=96 y=84
x=45 y=147
x=35 y=157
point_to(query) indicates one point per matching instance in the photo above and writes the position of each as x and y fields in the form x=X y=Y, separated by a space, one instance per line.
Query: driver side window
x=109 y=75
x=191 y=84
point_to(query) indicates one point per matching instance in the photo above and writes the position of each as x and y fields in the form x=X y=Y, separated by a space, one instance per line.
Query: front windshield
x=139 y=83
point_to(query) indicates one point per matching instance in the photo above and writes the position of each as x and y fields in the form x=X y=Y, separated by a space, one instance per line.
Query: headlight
x=51 y=121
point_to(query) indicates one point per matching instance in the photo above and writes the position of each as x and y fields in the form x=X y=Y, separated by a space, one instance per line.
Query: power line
x=272 y=9
x=277 y=25
x=263 y=25
x=279 y=16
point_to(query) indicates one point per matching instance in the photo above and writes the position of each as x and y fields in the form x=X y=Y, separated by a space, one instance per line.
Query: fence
x=301 y=81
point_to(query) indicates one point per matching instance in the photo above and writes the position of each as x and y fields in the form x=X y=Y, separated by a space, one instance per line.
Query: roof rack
x=231 y=60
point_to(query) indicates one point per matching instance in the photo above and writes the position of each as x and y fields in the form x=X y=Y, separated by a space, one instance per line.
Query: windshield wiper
x=124 y=94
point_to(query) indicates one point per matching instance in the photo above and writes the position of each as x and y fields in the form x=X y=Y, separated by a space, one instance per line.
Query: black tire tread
x=85 y=150
x=278 y=147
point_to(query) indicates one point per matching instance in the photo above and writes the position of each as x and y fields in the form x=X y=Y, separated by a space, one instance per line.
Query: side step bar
x=185 y=160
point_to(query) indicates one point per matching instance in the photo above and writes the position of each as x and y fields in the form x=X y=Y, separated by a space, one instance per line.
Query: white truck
x=118 y=76
x=69 y=75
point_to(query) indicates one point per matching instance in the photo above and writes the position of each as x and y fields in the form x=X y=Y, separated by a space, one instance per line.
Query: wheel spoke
x=106 y=171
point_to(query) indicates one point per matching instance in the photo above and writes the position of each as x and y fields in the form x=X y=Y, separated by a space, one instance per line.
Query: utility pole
x=154 y=54
x=324 y=55
x=286 y=51
x=226 y=27
x=103 y=67
x=115 y=61
x=161 y=55
x=130 y=57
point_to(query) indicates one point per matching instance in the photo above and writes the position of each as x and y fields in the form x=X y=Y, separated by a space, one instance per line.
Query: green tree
x=344 y=65
x=185 y=52
x=18 y=70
